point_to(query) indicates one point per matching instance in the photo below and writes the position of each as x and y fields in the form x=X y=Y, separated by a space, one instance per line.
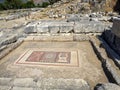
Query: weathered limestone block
x=9 y=40
x=88 y=27
x=73 y=18
x=5 y=81
x=10 y=48
x=80 y=37
x=113 y=72
x=63 y=84
x=1 y=33
x=5 y=87
x=116 y=27
x=66 y=29
x=24 y=88
x=78 y=28
x=100 y=28
x=30 y=29
x=2 y=48
x=107 y=86
x=54 y=29
x=42 y=29
x=24 y=82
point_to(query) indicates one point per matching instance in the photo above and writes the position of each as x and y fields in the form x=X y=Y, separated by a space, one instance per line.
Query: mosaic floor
x=48 y=57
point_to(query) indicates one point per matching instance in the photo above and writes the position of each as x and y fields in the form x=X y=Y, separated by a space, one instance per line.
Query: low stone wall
x=110 y=71
x=57 y=37
x=116 y=27
x=15 y=14
x=54 y=27
x=112 y=35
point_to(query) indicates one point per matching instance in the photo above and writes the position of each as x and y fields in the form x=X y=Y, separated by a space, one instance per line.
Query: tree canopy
x=19 y=4
x=16 y=4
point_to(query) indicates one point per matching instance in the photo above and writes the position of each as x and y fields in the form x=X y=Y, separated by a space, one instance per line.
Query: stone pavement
x=43 y=84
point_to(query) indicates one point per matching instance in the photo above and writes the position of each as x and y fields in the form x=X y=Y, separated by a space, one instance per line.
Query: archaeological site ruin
x=69 y=45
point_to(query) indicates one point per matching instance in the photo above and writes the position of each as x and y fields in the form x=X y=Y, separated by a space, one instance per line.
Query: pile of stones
x=12 y=15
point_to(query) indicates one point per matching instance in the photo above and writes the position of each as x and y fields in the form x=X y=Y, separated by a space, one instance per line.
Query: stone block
x=30 y=29
x=9 y=40
x=2 y=48
x=116 y=27
x=42 y=29
x=80 y=37
x=73 y=18
x=53 y=29
x=113 y=72
x=63 y=84
x=24 y=82
x=78 y=28
x=5 y=88
x=22 y=88
x=5 y=81
x=66 y=29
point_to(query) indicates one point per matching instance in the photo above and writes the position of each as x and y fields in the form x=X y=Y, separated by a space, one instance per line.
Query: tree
x=30 y=4
x=1 y=6
x=13 y=4
x=45 y=4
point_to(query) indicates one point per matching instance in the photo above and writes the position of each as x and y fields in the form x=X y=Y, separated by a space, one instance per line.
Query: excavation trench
x=53 y=59
x=108 y=65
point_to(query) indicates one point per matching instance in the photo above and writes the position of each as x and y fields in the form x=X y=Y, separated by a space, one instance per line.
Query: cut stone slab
x=42 y=29
x=53 y=29
x=30 y=29
x=63 y=84
x=22 y=88
x=80 y=37
x=24 y=82
x=66 y=29
x=9 y=40
x=5 y=81
x=116 y=26
x=5 y=88
x=78 y=28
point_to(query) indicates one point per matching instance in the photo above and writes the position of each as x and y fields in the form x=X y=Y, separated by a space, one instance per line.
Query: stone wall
x=112 y=36
x=54 y=27
x=116 y=27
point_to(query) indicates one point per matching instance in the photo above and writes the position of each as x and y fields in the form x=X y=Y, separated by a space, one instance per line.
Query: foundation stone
x=116 y=27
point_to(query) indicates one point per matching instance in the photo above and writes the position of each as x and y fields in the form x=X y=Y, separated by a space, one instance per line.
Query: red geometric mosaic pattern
x=49 y=57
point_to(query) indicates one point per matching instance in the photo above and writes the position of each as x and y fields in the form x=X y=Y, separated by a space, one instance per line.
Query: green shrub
x=45 y=4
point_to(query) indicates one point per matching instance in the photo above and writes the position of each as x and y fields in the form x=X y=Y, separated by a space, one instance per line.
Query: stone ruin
x=31 y=58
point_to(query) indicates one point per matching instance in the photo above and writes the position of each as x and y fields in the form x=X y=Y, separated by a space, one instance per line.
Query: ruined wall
x=113 y=36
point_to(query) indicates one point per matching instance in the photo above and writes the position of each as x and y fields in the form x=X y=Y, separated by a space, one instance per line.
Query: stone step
x=5 y=87
x=42 y=84
x=5 y=81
